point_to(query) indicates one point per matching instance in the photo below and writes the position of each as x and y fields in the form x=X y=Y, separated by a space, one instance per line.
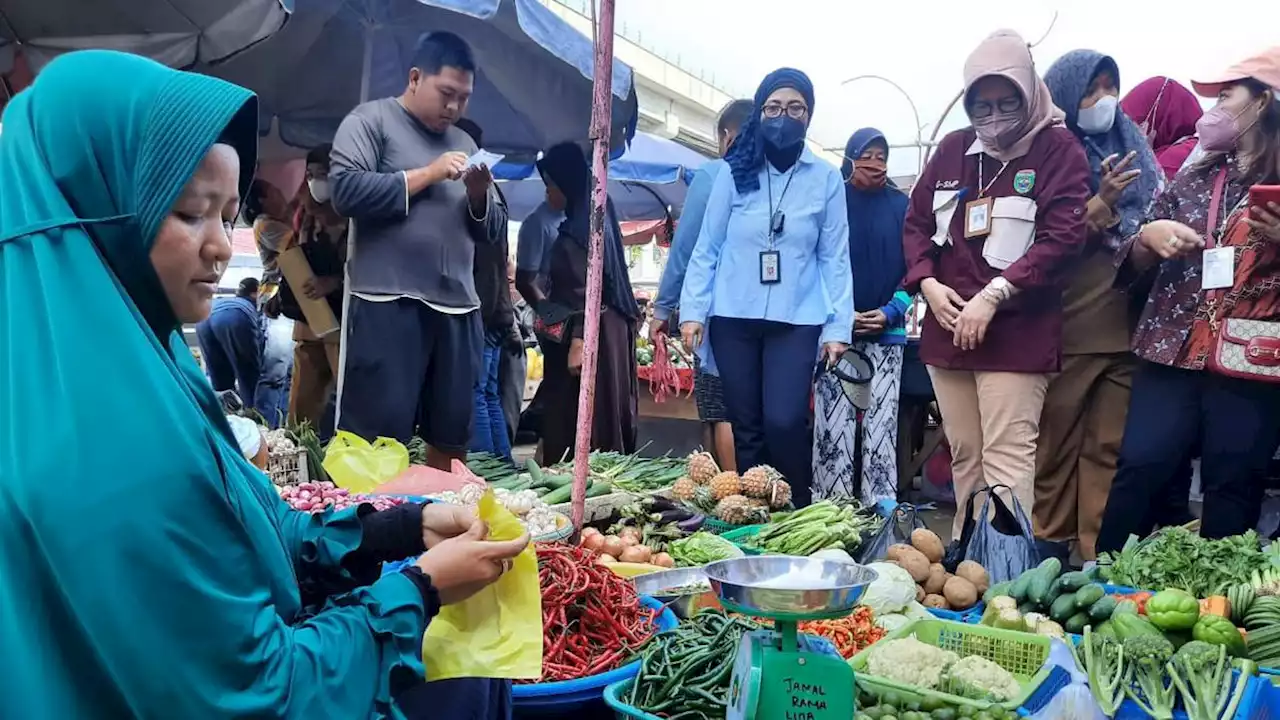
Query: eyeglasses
x=983 y=109
x=795 y=110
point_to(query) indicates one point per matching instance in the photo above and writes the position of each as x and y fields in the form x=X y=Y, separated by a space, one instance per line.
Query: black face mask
x=783 y=132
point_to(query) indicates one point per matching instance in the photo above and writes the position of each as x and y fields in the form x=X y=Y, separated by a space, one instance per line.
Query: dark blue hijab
x=1069 y=79
x=876 y=220
x=565 y=166
x=746 y=157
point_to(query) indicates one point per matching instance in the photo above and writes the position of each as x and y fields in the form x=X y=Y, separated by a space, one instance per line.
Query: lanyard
x=982 y=189
x=777 y=218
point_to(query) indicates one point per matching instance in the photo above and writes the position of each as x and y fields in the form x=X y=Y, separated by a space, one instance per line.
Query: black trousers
x=1236 y=424
x=766 y=369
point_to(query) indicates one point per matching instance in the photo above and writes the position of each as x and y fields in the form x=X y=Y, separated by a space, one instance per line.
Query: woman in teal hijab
x=147 y=569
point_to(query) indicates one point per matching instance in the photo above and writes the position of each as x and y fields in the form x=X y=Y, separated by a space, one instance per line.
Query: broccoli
x=1202 y=674
x=1146 y=683
x=1101 y=657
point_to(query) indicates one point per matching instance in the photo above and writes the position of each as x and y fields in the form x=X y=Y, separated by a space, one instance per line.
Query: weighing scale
x=779 y=674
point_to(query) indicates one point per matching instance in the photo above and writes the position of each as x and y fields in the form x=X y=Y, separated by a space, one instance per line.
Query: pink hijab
x=1005 y=54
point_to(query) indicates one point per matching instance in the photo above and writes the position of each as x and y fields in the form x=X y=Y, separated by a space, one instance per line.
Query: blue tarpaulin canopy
x=647 y=182
x=532 y=85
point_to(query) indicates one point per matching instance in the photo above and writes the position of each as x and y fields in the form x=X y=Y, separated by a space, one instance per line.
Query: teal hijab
x=146 y=568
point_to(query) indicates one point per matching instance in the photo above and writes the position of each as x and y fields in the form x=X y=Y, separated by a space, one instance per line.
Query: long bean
x=685 y=672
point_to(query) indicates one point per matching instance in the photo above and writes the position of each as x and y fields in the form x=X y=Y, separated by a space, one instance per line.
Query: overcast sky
x=922 y=45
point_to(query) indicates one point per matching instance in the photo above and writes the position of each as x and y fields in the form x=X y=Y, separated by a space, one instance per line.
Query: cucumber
x=1088 y=595
x=1002 y=588
x=1027 y=607
x=534 y=471
x=1101 y=610
x=1063 y=608
x=1042 y=580
x=1018 y=591
x=599 y=488
x=562 y=494
x=1073 y=581
x=1076 y=623
x=1056 y=590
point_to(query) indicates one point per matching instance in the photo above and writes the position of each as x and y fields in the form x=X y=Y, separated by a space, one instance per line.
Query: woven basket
x=601 y=507
x=288 y=468
x=564 y=528
x=717 y=526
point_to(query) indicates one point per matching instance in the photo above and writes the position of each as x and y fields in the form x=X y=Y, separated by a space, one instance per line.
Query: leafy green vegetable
x=1147 y=656
x=701 y=548
x=1178 y=558
x=1202 y=674
x=1101 y=657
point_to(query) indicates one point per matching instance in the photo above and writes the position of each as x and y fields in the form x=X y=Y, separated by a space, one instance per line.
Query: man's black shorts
x=408 y=366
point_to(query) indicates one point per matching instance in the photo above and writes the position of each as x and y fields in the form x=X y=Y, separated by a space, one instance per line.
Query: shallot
x=317 y=497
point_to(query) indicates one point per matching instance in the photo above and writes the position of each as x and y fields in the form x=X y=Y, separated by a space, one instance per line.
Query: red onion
x=317 y=497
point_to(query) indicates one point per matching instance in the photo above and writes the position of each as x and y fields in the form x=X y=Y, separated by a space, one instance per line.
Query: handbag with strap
x=1244 y=348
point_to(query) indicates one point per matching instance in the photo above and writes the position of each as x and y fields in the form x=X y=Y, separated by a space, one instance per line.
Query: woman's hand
x=1266 y=221
x=691 y=334
x=461 y=566
x=441 y=521
x=871 y=322
x=971 y=325
x=1115 y=179
x=833 y=351
x=321 y=287
x=575 y=357
x=1169 y=239
x=944 y=303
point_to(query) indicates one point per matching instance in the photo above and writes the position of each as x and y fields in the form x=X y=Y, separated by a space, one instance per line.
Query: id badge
x=977 y=217
x=1219 y=269
x=770 y=269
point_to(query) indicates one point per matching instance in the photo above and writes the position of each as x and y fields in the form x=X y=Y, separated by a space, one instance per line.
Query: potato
x=974 y=573
x=937 y=578
x=895 y=551
x=960 y=593
x=915 y=564
x=927 y=542
x=935 y=601
x=920 y=593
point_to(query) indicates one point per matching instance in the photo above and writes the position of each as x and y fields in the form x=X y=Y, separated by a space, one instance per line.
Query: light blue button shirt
x=686 y=238
x=815 y=284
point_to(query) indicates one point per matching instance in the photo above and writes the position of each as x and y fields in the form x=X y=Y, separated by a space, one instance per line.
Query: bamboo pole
x=601 y=112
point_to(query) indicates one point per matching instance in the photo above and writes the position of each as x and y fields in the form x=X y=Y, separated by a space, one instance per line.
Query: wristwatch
x=998 y=290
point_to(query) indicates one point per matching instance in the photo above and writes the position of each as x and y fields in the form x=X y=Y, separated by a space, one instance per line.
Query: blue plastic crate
x=559 y=698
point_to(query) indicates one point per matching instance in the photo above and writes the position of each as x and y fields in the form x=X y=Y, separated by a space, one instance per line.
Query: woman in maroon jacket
x=994 y=222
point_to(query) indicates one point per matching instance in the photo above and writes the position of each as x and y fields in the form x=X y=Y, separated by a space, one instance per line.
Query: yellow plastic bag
x=359 y=467
x=496 y=633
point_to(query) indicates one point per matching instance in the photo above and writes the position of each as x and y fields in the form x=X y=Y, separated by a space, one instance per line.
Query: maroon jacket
x=1048 y=186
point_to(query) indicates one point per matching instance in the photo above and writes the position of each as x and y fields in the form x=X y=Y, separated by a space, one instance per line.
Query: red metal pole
x=601 y=115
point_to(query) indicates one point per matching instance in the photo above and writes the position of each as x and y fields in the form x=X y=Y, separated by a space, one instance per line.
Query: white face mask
x=319 y=190
x=1098 y=119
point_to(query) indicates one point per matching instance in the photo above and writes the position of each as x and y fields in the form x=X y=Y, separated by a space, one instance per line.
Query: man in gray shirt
x=414 y=339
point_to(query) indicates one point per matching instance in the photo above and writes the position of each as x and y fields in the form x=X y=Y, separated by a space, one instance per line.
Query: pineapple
x=757 y=511
x=703 y=501
x=732 y=509
x=725 y=484
x=780 y=495
x=683 y=489
x=758 y=481
x=702 y=468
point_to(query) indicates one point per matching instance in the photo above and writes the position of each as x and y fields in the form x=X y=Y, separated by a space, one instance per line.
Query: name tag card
x=1219 y=269
x=977 y=217
x=770 y=267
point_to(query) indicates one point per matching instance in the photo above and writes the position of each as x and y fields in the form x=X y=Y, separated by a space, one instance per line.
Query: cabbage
x=892 y=591
x=891 y=621
x=835 y=554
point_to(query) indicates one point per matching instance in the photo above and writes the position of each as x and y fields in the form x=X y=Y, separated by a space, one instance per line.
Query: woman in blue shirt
x=845 y=464
x=780 y=287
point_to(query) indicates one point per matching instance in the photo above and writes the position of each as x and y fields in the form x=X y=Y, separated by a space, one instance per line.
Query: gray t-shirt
x=538 y=235
x=401 y=246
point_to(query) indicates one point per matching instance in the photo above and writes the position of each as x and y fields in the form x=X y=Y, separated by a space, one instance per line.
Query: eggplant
x=658 y=503
x=692 y=524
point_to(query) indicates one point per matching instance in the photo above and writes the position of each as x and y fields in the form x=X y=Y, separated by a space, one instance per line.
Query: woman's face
x=786 y=101
x=1242 y=104
x=194 y=243
x=994 y=95
x=1103 y=85
x=874 y=151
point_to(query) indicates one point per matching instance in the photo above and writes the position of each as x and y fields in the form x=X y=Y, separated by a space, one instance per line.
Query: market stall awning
x=533 y=83
x=178 y=33
x=648 y=182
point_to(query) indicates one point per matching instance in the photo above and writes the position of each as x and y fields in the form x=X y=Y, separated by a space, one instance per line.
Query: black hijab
x=565 y=166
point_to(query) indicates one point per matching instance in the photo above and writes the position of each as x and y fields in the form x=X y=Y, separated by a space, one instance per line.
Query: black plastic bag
x=902 y=516
x=1001 y=542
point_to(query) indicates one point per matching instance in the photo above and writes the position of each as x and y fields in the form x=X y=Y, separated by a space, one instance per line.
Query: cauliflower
x=979 y=678
x=909 y=661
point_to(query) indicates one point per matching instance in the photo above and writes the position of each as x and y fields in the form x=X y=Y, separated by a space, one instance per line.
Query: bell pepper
x=1173 y=609
x=1217 y=630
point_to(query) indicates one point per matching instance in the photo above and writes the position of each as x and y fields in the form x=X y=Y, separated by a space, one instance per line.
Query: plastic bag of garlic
x=536 y=515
